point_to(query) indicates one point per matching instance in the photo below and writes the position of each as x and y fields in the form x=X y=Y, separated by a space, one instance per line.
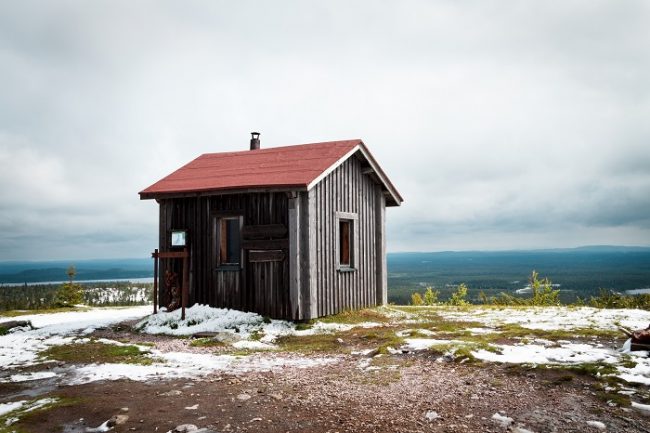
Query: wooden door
x=267 y=270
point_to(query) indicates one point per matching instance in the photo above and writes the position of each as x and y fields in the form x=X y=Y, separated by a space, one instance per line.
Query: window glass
x=345 y=243
x=229 y=241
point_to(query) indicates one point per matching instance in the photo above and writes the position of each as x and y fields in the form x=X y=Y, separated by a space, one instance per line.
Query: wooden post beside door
x=155 y=281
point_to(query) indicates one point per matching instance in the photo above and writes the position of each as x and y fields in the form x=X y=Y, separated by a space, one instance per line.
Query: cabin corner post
x=296 y=312
x=380 y=233
x=310 y=291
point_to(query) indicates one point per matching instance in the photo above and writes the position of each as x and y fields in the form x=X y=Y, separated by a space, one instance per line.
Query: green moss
x=459 y=352
x=627 y=361
x=206 y=342
x=304 y=326
x=621 y=400
x=594 y=369
x=95 y=352
x=309 y=343
x=356 y=316
x=563 y=379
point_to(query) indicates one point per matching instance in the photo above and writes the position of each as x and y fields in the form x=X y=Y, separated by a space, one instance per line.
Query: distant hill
x=18 y=272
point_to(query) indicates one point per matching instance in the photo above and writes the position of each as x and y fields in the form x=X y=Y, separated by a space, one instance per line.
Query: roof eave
x=147 y=195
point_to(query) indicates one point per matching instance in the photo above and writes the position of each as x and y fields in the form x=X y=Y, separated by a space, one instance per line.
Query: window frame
x=353 y=220
x=218 y=221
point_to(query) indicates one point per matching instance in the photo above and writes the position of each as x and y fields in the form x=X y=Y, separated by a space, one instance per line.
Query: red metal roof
x=277 y=167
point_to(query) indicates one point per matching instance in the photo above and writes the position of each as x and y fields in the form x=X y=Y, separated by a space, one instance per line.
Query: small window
x=345 y=243
x=229 y=241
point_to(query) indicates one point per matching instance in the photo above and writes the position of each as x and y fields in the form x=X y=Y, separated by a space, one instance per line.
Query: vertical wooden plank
x=382 y=276
x=313 y=238
x=155 y=281
x=294 y=258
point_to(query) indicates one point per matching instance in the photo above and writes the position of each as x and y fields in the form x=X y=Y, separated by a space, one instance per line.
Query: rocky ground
x=420 y=395
x=358 y=390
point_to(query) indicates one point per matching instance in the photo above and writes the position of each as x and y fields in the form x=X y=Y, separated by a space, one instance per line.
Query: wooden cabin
x=294 y=232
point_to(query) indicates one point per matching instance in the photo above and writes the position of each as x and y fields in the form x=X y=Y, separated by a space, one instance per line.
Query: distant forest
x=580 y=272
x=42 y=296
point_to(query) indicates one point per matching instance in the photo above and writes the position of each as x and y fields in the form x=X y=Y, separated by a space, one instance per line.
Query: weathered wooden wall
x=290 y=247
x=261 y=285
x=325 y=289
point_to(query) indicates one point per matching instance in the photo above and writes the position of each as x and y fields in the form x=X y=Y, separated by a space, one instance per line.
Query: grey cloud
x=503 y=125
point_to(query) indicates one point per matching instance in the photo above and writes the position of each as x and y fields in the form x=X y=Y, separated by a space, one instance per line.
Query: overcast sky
x=505 y=124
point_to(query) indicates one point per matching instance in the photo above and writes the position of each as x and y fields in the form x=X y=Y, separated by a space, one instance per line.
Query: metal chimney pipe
x=255 y=140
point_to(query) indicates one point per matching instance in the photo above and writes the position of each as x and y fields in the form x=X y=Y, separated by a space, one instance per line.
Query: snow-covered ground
x=541 y=351
x=20 y=348
x=548 y=318
x=252 y=332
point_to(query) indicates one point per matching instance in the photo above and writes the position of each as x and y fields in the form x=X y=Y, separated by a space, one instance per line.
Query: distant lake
x=109 y=280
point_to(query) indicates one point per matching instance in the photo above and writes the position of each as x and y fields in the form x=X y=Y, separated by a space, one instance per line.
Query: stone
x=117 y=420
x=11 y=324
x=185 y=428
x=431 y=415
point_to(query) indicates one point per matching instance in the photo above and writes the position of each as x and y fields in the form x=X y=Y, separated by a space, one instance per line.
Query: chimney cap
x=255 y=140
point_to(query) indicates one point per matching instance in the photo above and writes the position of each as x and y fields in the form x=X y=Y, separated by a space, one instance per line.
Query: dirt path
x=344 y=398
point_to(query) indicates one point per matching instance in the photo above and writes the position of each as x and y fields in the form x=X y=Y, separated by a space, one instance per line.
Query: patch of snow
x=253 y=345
x=195 y=407
x=597 y=424
x=189 y=365
x=21 y=348
x=365 y=352
x=627 y=346
x=502 y=420
x=5 y=408
x=330 y=328
x=425 y=343
x=640 y=373
x=99 y=429
x=481 y=331
x=201 y=318
x=549 y=318
x=36 y=375
x=539 y=354
x=641 y=407
x=364 y=364
x=407 y=332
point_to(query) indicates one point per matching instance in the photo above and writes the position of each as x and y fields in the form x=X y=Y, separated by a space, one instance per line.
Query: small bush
x=416 y=299
x=70 y=293
x=543 y=292
x=431 y=296
x=458 y=298
x=609 y=299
